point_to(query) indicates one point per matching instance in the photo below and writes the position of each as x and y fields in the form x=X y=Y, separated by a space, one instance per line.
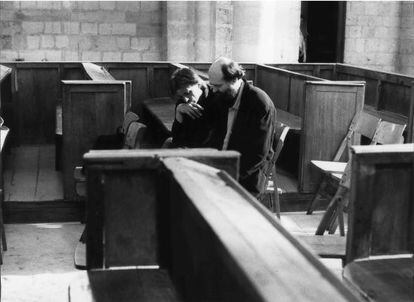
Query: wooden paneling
x=284 y=87
x=410 y=134
x=329 y=110
x=123 y=191
x=90 y=109
x=381 y=201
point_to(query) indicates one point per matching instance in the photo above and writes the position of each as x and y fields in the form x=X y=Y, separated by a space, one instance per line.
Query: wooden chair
x=386 y=133
x=271 y=193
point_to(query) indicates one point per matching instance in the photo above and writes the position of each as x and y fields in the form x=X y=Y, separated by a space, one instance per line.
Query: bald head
x=225 y=75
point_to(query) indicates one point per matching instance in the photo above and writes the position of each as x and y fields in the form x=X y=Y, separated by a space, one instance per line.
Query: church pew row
x=166 y=228
x=387 y=94
x=324 y=109
x=380 y=242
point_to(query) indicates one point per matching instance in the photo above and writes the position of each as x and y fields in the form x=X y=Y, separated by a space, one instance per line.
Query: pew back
x=89 y=109
x=126 y=199
x=381 y=201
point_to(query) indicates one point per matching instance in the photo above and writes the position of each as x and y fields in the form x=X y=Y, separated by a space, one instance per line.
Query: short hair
x=183 y=77
x=232 y=71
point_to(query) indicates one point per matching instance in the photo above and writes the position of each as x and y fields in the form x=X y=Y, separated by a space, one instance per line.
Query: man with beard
x=245 y=122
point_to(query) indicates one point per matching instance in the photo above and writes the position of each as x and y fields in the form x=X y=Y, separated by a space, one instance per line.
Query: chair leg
x=312 y=205
x=276 y=205
x=326 y=219
x=338 y=218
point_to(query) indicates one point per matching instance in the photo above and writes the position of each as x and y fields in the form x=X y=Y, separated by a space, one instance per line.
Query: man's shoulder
x=256 y=96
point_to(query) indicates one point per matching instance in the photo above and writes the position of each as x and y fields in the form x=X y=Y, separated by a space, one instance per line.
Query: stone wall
x=380 y=35
x=149 y=30
x=77 y=30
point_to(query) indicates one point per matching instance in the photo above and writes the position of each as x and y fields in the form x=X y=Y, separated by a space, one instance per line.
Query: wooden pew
x=388 y=95
x=381 y=229
x=90 y=109
x=319 y=110
x=204 y=251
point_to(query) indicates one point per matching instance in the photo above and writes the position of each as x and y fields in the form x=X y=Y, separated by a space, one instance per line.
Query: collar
x=238 y=98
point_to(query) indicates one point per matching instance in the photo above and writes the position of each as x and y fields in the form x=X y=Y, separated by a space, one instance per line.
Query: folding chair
x=386 y=133
x=271 y=182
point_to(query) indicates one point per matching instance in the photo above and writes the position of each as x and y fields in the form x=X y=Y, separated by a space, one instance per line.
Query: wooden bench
x=189 y=214
x=389 y=95
x=381 y=223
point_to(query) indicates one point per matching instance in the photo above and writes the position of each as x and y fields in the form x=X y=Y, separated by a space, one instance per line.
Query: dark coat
x=252 y=135
x=193 y=133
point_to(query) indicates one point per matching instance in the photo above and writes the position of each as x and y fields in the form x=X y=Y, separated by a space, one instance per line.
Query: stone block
x=70 y=55
x=91 y=56
x=151 y=56
x=30 y=55
x=141 y=44
x=53 y=28
x=71 y=28
x=7 y=15
x=88 y=5
x=32 y=27
x=19 y=42
x=356 y=8
x=72 y=5
x=129 y=29
x=105 y=29
x=47 y=41
x=104 y=43
x=61 y=41
x=107 y=5
x=150 y=6
x=98 y=16
x=149 y=31
x=123 y=42
x=89 y=28
x=111 y=56
x=131 y=57
x=128 y=5
x=7 y=5
x=28 y=5
x=407 y=34
x=33 y=42
x=53 y=55
x=407 y=22
x=5 y=42
x=55 y=5
x=8 y=55
x=353 y=31
x=81 y=43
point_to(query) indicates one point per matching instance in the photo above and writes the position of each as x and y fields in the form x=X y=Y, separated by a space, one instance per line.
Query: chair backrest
x=128 y=119
x=363 y=124
x=135 y=136
x=388 y=133
x=281 y=130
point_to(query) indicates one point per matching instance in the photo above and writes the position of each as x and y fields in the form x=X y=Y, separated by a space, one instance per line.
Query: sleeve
x=259 y=150
x=178 y=130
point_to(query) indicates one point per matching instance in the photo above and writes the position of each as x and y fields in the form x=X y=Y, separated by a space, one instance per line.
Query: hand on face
x=191 y=109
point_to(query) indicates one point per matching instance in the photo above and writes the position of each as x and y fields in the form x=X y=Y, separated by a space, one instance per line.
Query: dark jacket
x=193 y=133
x=252 y=135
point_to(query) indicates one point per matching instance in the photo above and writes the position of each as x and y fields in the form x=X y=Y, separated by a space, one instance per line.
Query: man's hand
x=193 y=110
